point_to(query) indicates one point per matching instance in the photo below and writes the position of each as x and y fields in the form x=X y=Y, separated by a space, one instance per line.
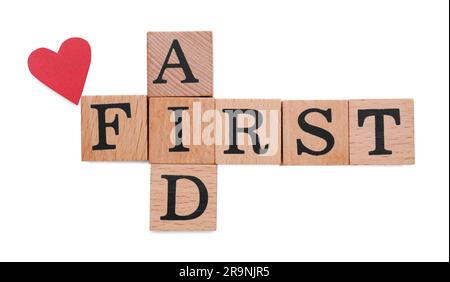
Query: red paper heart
x=65 y=72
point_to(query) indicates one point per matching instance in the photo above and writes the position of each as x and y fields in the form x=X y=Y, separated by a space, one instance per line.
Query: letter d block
x=381 y=131
x=180 y=64
x=183 y=197
x=114 y=128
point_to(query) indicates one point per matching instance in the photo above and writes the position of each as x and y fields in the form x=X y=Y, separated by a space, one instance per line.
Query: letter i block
x=381 y=131
x=315 y=133
x=248 y=131
x=179 y=64
x=181 y=130
x=114 y=128
x=183 y=197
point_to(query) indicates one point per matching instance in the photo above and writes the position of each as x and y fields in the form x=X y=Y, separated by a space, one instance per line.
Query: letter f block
x=114 y=128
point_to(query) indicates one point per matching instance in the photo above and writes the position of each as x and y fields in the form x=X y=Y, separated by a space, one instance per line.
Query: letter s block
x=183 y=197
x=381 y=131
x=114 y=128
x=180 y=64
x=315 y=132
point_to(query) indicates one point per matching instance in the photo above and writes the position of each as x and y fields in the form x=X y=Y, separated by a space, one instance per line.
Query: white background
x=55 y=207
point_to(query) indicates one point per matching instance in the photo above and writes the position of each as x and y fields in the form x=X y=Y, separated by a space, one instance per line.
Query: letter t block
x=381 y=131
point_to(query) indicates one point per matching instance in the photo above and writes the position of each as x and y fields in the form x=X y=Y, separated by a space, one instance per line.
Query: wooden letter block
x=181 y=130
x=183 y=197
x=114 y=128
x=180 y=64
x=315 y=133
x=248 y=131
x=381 y=131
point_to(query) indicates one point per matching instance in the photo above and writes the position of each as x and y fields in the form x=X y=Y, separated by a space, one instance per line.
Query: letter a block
x=114 y=128
x=181 y=130
x=248 y=131
x=179 y=64
x=315 y=133
x=381 y=131
x=183 y=197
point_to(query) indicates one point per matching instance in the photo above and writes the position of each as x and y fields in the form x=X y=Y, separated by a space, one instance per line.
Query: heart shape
x=65 y=72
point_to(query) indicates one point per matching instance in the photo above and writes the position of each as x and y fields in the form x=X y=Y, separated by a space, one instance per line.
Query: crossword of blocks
x=184 y=132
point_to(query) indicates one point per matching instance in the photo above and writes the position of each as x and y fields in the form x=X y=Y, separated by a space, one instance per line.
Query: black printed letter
x=102 y=124
x=316 y=131
x=234 y=130
x=189 y=77
x=379 y=126
x=171 y=197
x=178 y=112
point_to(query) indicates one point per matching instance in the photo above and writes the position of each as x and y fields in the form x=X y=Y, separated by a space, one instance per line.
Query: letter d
x=171 y=197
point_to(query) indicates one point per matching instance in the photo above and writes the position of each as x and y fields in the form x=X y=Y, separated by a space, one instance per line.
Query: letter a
x=189 y=76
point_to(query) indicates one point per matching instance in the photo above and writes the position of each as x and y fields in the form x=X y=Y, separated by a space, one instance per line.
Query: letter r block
x=248 y=131
x=114 y=128
x=381 y=131
x=183 y=197
x=180 y=64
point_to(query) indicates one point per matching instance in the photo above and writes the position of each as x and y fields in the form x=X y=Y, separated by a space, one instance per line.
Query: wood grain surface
x=269 y=132
x=162 y=123
x=131 y=142
x=198 y=51
x=338 y=127
x=398 y=138
x=187 y=197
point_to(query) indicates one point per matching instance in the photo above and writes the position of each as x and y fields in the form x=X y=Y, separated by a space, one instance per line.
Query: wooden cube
x=183 y=197
x=114 y=128
x=315 y=133
x=181 y=130
x=180 y=63
x=381 y=131
x=248 y=131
